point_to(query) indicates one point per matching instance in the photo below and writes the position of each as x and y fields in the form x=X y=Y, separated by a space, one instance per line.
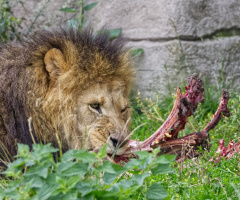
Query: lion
x=66 y=87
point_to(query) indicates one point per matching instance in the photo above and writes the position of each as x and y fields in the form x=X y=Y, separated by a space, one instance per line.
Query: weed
x=8 y=23
x=81 y=174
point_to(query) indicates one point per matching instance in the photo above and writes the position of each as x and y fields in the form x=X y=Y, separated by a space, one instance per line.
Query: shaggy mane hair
x=92 y=56
x=26 y=90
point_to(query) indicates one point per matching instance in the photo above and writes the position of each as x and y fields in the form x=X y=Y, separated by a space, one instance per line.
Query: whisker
x=118 y=146
x=125 y=126
x=130 y=134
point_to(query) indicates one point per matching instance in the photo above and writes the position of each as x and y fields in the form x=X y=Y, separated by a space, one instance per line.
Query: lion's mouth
x=117 y=148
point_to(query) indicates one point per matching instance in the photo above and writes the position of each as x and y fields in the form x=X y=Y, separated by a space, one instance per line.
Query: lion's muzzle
x=103 y=131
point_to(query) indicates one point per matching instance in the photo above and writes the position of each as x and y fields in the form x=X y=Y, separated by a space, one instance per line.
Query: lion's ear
x=55 y=64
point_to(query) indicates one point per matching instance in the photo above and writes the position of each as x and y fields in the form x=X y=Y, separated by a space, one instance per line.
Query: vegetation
x=8 y=23
x=197 y=178
x=82 y=175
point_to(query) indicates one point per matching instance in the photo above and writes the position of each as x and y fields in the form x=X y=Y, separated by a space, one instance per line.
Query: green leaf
x=123 y=187
x=64 y=165
x=134 y=164
x=15 y=168
x=46 y=191
x=105 y=195
x=68 y=196
x=88 y=197
x=136 y=52
x=85 y=187
x=76 y=169
x=73 y=180
x=156 y=191
x=38 y=170
x=112 y=171
x=44 y=148
x=86 y=157
x=69 y=155
x=155 y=152
x=102 y=152
x=90 y=6
x=14 y=185
x=162 y=169
x=111 y=168
x=71 y=10
x=125 y=184
x=165 y=159
x=114 y=33
x=36 y=181
x=142 y=154
x=139 y=178
x=109 y=177
x=51 y=179
x=23 y=150
x=12 y=195
x=31 y=161
x=40 y=149
x=17 y=163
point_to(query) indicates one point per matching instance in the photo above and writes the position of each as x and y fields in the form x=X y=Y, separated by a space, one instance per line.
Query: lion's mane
x=32 y=104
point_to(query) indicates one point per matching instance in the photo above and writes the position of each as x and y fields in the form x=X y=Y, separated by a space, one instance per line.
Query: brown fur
x=48 y=83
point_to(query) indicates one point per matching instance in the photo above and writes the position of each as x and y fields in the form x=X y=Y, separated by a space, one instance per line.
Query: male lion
x=68 y=86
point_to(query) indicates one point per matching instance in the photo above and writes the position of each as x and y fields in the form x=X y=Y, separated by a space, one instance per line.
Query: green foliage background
x=83 y=175
x=8 y=23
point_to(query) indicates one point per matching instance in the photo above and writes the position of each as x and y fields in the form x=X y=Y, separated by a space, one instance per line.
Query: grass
x=193 y=179
x=198 y=178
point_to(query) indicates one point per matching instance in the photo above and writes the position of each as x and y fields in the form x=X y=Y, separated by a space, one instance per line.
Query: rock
x=178 y=38
x=165 y=65
x=164 y=20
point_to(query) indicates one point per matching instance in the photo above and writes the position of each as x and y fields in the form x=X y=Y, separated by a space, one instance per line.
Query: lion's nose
x=114 y=141
x=117 y=142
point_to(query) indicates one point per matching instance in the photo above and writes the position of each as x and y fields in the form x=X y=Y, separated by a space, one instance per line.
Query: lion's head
x=82 y=82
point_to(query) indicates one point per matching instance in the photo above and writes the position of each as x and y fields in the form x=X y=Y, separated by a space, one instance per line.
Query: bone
x=226 y=152
x=166 y=137
x=221 y=111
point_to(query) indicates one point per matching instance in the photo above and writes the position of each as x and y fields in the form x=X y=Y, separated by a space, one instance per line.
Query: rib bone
x=166 y=136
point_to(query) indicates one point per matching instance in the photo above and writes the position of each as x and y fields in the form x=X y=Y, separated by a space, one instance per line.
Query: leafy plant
x=8 y=23
x=83 y=175
x=136 y=52
x=79 y=21
x=40 y=11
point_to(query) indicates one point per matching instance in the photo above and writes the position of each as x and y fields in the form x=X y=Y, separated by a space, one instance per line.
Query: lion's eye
x=96 y=106
x=123 y=110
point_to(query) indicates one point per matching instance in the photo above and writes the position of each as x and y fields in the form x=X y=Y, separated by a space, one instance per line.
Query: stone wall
x=178 y=38
x=39 y=14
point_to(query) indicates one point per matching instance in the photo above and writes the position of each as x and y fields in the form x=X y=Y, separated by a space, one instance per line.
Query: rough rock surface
x=40 y=14
x=160 y=19
x=166 y=64
x=178 y=38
